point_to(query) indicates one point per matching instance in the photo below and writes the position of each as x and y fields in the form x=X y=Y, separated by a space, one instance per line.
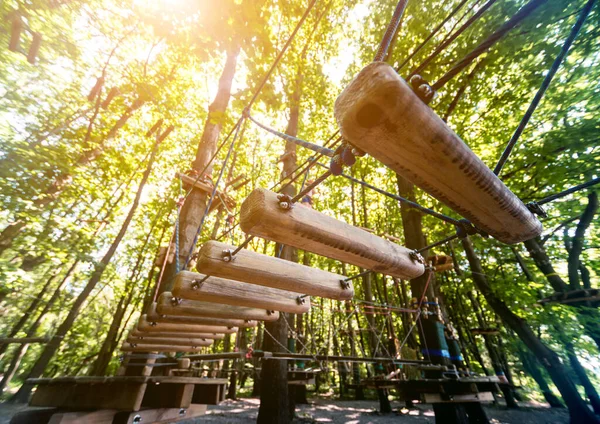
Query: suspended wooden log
x=262 y=215
x=175 y=341
x=581 y=297
x=158 y=327
x=34 y=48
x=168 y=305
x=207 y=187
x=380 y=114
x=263 y=270
x=194 y=286
x=15 y=34
x=154 y=316
x=441 y=262
x=127 y=347
x=166 y=334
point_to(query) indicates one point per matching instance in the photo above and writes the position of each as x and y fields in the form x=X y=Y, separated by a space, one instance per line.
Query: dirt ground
x=352 y=412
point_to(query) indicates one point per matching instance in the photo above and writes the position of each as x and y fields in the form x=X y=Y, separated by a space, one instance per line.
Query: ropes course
x=237 y=288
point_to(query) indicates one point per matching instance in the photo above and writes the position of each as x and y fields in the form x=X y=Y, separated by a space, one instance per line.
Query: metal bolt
x=300 y=300
x=284 y=205
x=269 y=312
x=137 y=419
x=416 y=257
x=153 y=324
x=182 y=412
x=196 y=284
x=345 y=284
x=175 y=301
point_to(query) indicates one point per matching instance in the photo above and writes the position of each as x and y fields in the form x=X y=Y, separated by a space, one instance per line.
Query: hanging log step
x=262 y=215
x=255 y=268
x=194 y=286
x=207 y=187
x=175 y=341
x=441 y=262
x=154 y=316
x=155 y=347
x=148 y=336
x=169 y=305
x=158 y=327
x=380 y=114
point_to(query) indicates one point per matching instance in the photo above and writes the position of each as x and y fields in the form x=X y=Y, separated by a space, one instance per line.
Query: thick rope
x=391 y=31
x=545 y=84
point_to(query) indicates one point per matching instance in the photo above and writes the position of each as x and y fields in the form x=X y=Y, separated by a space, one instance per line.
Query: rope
x=524 y=12
x=446 y=42
x=314 y=147
x=179 y=205
x=568 y=191
x=391 y=31
x=432 y=34
x=545 y=84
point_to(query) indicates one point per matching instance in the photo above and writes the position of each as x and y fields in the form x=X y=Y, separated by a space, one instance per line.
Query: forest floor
x=353 y=412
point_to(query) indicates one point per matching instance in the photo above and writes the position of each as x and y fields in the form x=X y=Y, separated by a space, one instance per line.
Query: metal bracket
x=228 y=255
x=345 y=284
x=537 y=209
x=285 y=202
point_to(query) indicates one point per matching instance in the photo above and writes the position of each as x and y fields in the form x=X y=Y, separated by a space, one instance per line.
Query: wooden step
x=167 y=334
x=380 y=114
x=146 y=327
x=167 y=306
x=308 y=229
x=255 y=268
x=193 y=286
x=154 y=316
x=175 y=341
x=138 y=347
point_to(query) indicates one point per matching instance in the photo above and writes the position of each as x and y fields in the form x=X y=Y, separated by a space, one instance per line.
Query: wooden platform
x=311 y=230
x=379 y=113
x=583 y=297
x=120 y=393
x=194 y=286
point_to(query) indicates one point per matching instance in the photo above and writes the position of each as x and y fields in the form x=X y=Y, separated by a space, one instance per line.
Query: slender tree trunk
x=578 y=409
x=193 y=209
x=38 y=369
x=532 y=368
x=588 y=386
x=576 y=249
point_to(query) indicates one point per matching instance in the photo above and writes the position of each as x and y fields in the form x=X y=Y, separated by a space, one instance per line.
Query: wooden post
x=154 y=316
x=147 y=327
x=305 y=228
x=263 y=270
x=381 y=115
x=171 y=306
x=192 y=286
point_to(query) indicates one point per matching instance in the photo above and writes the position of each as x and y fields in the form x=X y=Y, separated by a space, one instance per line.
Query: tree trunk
x=588 y=386
x=38 y=369
x=578 y=409
x=193 y=209
x=573 y=263
x=532 y=368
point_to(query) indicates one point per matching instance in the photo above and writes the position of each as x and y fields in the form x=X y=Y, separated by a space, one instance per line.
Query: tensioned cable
x=515 y=20
x=545 y=84
x=391 y=30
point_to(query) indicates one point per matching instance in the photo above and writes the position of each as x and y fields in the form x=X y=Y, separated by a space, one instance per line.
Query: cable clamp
x=345 y=284
x=176 y=301
x=196 y=284
x=228 y=255
x=153 y=324
x=285 y=202
x=422 y=88
x=536 y=209
x=415 y=256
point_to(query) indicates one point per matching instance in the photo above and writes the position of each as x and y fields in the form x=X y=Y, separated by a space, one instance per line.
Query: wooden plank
x=311 y=230
x=208 y=395
x=379 y=113
x=476 y=397
x=154 y=316
x=192 y=286
x=159 y=327
x=199 y=308
x=175 y=341
x=102 y=416
x=148 y=336
x=30 y=416
x=116 y=395
x=111 y=416
x=157 y=347
x=168 y=395
x=255 y=268
x=161 y=379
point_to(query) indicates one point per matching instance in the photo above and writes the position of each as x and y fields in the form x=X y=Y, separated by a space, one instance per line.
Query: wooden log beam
x=255 y=268
x=167 y=334
x=147 y=327
x=194 y=286
x=380 y=114
x=23 y=340
x=308 y=229
x=154 y=316
x=168 y=305
x=175 y=341
x=138 y=347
